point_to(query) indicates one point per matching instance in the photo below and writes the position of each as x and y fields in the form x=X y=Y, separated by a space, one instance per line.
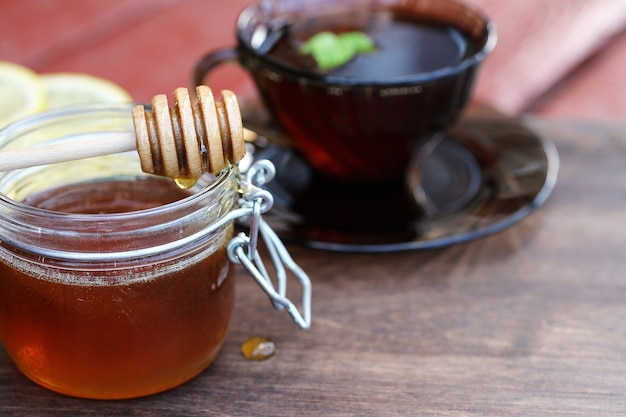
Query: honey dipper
x=184 y=141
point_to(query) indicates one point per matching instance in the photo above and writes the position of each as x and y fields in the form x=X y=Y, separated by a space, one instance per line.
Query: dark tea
x=403 y=45
x=119 y=332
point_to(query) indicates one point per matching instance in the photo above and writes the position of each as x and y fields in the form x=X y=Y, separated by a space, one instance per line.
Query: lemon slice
x=65 y=88
x=21 y=92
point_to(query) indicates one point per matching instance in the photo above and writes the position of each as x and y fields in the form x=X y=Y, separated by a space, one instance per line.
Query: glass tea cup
x=115 y=283
x=363 y=121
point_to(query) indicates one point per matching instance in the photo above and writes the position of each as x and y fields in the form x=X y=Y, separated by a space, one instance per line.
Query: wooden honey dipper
x=184 y=141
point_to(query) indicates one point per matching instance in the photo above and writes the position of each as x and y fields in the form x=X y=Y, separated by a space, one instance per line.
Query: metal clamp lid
x=242 y=249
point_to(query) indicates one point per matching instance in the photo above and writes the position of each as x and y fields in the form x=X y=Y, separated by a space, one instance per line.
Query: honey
x=258 y=348
x=138 y=328
x=185 y=183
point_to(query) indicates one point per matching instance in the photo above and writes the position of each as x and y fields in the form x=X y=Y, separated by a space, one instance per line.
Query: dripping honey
x=184 y=183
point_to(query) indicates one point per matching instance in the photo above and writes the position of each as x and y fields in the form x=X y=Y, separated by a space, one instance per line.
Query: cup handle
x=212 y=60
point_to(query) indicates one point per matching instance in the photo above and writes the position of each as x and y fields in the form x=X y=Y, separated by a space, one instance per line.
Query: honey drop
x=185 y=183
x=258 y=348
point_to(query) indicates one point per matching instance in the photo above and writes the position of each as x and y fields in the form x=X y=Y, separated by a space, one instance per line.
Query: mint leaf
x=330 y=50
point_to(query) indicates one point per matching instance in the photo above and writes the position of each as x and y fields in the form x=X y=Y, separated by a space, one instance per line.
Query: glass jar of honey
x=113 y=283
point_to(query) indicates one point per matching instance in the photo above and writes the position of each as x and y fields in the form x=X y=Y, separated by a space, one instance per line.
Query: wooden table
x=528 y=322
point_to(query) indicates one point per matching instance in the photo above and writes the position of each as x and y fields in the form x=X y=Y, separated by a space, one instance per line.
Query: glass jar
x=113 y=283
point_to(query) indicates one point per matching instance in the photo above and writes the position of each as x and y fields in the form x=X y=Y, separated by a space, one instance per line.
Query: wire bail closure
x=243 y=249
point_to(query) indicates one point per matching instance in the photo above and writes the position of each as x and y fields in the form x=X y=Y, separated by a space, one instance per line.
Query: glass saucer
x=479 y=178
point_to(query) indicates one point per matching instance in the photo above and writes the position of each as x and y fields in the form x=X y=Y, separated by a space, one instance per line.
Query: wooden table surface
x=528 y=322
